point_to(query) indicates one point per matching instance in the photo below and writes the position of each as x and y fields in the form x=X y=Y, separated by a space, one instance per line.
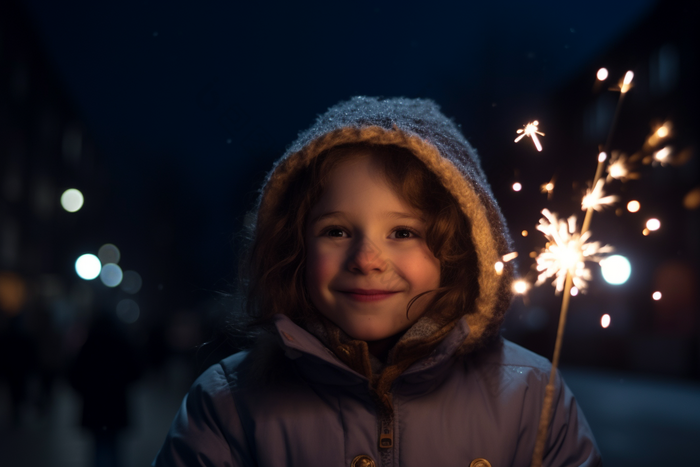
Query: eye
x=403 y=229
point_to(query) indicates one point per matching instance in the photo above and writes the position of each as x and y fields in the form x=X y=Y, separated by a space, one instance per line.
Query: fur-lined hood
x=419 y=126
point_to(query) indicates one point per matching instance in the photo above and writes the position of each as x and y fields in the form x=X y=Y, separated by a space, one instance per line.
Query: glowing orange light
x=524 y=233
x=627 y=82
x=602 y=74
x=653 y=224
x=662 y=132
x=531 y=131
x=510 y=256
x=633 y=206
x=520 y=286
x=645 y=232
x=605 y=320
x=499 y=267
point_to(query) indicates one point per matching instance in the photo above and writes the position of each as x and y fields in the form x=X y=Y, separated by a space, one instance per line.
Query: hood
x=419 y=126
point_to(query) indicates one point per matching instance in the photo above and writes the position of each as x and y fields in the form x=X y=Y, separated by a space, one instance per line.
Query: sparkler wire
x=546 y=413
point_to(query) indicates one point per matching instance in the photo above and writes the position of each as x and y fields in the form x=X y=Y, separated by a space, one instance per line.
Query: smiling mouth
x=369 y=297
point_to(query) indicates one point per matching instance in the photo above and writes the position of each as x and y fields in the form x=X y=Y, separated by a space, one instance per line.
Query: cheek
x=320 y=268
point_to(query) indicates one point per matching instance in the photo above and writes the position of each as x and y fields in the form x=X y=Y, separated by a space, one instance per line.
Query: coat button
x=363 y=460
x=480 y=462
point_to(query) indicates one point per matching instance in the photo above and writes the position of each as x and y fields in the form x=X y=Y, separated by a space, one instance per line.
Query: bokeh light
x=520 y=286
x=131 y=283
x=88 y=267
x=524 y=233
x=602 y=74
x=111 y=275
x=72 y=200
x=128 y=310
x=633 y=206
x=499 y=267
x=656 y=295
x=605 y=320
x=517 y=186
x=574 y=291
x=602 y=156
x=616 y=269
x=653 y=224
x=109 y=253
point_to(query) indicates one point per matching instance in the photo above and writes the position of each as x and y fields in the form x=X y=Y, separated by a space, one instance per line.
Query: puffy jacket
x=448 y=411
x=451 y=391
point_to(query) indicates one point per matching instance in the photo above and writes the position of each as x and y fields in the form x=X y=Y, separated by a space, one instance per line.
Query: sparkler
x=531 y=131
x=565 y=256
x=566 y=252
x=594 y=198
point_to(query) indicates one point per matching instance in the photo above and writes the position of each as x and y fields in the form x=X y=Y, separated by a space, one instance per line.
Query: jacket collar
x=320 y=365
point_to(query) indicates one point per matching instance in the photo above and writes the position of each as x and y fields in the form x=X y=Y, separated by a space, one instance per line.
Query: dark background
x=167 y=116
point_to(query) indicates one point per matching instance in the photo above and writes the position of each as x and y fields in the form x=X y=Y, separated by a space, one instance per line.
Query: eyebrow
x=390 y=214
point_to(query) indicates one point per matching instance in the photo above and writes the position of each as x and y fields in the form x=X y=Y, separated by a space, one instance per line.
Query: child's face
x=367 y=249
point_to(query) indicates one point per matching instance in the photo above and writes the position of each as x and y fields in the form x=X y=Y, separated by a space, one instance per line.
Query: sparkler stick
x=543 y=427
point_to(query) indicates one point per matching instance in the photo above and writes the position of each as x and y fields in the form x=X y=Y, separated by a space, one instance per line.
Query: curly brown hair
x=273 y=256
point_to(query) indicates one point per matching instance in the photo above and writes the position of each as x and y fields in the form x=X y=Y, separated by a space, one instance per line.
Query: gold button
x=480 y=462
x=363 y=460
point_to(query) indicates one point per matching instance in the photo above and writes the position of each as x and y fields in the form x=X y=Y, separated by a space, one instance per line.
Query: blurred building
x=655 y=141
x=45 y=149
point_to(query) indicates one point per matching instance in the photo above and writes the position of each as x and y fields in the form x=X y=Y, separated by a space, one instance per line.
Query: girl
x=370 y=269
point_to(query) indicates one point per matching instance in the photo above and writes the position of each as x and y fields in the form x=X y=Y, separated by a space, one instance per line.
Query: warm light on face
x=656 y=296
x=517 y=186
x=602 y=74
x=605 y=321
x=633 y=206
x=653 y=224
x=363 y=247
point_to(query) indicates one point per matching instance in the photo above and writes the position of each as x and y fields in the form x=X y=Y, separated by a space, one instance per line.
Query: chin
x=369 y=333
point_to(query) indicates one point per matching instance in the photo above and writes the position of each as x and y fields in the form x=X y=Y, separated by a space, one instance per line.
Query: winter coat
x=451 y=392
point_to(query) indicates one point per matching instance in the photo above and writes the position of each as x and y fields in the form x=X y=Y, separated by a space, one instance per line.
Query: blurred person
x=103 y=368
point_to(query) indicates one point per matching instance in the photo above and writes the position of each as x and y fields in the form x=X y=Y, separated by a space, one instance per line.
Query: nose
x=366 y=257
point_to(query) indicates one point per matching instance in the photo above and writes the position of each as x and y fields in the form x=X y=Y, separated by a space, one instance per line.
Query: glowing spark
x=602 y=156
x=524 y=233
x=594 y=198
x=602 y=74
x=633 y=206
x=661 y=155
x=517 y=186
x=510 y=256
x=531 y=131
x=548 y=188
x=620 y=168
x=605 y=320
x=656 y=296
x=653 y=224
x=566 y=251
x=499 y=267
x=520 y=286
x=626 y=82
x=574 y=291
x=645 y=232
x=662 y=132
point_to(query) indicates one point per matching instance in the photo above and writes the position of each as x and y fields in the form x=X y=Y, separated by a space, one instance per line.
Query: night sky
x=190 y=105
